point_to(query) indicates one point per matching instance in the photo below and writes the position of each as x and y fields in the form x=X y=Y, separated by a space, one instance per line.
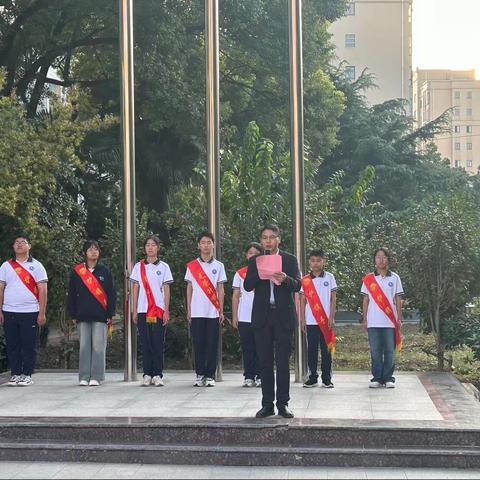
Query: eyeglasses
x=270 y=237
x=20 y=242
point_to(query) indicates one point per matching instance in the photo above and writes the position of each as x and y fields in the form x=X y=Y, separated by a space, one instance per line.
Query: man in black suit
x=273 y=322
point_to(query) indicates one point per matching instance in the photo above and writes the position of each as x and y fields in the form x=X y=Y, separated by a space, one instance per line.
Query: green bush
x=462 y=329
x=464 y=364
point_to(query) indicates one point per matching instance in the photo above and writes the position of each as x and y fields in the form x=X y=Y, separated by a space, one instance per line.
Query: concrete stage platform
x=428 y=420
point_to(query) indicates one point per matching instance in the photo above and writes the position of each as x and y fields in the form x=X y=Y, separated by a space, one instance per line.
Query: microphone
x=268 y=251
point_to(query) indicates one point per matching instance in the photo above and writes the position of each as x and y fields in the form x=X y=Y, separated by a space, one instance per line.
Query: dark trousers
x=152 y=343
x=205 y=333
x=274 y=341
x=21 y=338
x=249 y=352
x=314 y=338
x=382 y=352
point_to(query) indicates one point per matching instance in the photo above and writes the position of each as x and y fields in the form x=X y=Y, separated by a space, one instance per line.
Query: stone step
x=237 y=455
x=235 y=433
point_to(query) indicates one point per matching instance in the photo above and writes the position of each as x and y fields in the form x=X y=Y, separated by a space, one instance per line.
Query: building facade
x=434 y=92
x=377 y=35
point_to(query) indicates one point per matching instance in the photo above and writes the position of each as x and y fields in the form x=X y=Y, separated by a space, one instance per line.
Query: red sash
x=242 y=272
x=318 y=312
x=26 y=277
x=204 y=282
x=153 y=310
x=384 y=303
x=95 y=288
x=93 y=285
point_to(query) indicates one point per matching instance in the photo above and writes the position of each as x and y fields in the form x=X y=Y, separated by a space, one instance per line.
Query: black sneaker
x=310 y=383
x=327 y=384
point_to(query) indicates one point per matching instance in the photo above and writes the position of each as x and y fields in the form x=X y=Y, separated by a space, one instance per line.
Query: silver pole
x=213 y=135
x=296 y=157
x=128 y=151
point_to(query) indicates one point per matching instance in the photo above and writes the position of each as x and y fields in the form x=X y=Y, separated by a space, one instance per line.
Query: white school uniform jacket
x=324 y=284
x=201 y=306
x=245 y=303
x=17 y=298
x=158 y=274
x=391 y=286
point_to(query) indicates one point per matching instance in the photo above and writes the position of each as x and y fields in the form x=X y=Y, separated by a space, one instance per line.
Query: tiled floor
x=49 y=470
x=57 y=394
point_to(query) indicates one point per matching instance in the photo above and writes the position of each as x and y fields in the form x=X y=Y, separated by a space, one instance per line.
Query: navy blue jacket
x=82 y=305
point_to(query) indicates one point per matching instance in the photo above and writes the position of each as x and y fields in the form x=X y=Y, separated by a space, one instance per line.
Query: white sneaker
x=209 y=382
x=147 y=381
x=25 y=381
x=83 y=383
x=199 y=381
x=375 y=385
x=93 y=383
x=157 y=380
x=258 y=382
x=390 y=385
x=13 y=382
x=248 y=382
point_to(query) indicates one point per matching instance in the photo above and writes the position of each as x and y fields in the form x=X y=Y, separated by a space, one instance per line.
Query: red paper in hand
x=267 y=265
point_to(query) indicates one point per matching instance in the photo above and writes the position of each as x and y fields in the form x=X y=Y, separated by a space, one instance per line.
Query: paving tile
x=118 y=471
x=45 y=470
x=385 y=473
x=346 y=473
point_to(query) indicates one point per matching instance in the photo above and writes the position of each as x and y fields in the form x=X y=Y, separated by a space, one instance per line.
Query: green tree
x=439 y=258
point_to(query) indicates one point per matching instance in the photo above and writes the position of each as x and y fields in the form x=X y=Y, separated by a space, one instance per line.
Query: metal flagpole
x=296 y=156
x=128 y=152
x=213 y=135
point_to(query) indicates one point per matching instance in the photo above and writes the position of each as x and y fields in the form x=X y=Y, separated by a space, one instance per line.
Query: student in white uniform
x=23 y=301
x=205 y=277
x=242 y=302
x=326 y=288
x=382 y=317
x=151 y=306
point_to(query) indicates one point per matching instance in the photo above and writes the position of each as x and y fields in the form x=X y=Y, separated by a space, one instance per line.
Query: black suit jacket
x=283 y=293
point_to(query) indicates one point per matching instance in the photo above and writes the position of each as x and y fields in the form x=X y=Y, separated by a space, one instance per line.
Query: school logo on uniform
x=214 y=271
x=32 y=268
x=325 y=284
x=102 y=279
x=390 y=284
x=159 y=272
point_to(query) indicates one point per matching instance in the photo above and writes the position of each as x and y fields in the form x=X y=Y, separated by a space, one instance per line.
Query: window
x=469 y=146
x=350 y=72
x=469 y=129
x=456 y=111
x=469 y=95
x=457 y=163
x=350 y=8
x=350 y=40
x=457 y=95
x=456 y=129
x=457 y=145
x=469 y=112
x=469 y=163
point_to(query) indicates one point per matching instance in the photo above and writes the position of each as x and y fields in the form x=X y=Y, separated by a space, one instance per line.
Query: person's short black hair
x=90 y=243
x=206 y=234
x=384 y=250
x=154 y=238
x=22 y=235
x=255 y=245
x=273 y=228
x=316 y=253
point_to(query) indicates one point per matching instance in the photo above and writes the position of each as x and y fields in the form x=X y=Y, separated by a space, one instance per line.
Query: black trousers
x=152 y=343
x=314 y=338
x=205 y=333
x=249 y=352
x=274 y=342
x=21 y=338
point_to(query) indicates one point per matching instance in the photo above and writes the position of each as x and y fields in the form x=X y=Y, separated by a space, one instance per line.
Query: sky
x=446 y=34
